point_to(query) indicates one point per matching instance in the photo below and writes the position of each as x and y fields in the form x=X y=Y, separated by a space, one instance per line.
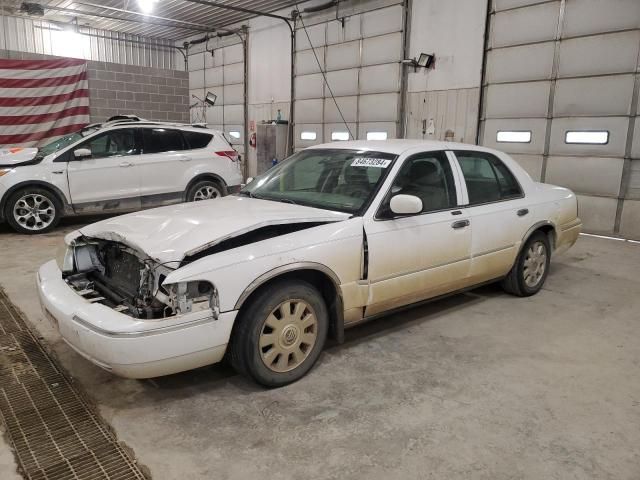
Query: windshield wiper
x=286 y=200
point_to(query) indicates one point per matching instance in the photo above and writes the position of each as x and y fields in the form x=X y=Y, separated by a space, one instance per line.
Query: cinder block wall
x=151 y=93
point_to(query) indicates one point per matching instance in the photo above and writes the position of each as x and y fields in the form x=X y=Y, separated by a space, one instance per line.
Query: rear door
x=415 y=257
x=109 y=179
x=163 y=165
x=497 y=211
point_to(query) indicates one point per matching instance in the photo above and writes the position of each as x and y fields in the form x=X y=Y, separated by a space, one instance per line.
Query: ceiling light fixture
x=146 y=6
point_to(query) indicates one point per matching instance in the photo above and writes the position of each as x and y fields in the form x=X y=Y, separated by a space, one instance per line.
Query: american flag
x=41 y=100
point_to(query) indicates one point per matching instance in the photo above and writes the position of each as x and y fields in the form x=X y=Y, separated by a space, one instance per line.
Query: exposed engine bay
x=112 y=274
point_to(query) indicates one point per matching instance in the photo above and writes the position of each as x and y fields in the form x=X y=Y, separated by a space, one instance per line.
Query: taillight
x=230 y=154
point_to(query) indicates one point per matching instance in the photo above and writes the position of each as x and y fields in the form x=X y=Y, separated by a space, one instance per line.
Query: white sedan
x=333 y=236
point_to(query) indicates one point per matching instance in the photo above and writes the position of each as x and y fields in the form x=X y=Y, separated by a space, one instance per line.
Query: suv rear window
x=159 y=140
x=197 y=139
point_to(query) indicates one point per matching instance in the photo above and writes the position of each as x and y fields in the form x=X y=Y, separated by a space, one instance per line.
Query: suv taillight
x=230 y=154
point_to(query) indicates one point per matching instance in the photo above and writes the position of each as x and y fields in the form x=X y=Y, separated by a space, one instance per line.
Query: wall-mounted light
x=210 y=99
x=424 y=60
x=146 y=6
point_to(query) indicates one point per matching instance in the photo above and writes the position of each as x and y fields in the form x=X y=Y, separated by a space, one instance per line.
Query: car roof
x=399 y=146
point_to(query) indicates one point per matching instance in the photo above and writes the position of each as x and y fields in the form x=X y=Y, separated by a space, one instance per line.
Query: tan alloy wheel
x=288 y=335
x=535 y=264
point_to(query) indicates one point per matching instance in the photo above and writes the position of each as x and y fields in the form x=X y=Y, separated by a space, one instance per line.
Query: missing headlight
x=187 y=297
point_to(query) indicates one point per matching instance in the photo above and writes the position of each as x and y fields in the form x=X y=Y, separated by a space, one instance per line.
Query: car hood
x=14 y=156
x=170 y=233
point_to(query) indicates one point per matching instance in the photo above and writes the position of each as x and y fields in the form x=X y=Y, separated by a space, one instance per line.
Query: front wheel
x=33 y=210
x=531 y=268
x=280 y=334
x=205 y=190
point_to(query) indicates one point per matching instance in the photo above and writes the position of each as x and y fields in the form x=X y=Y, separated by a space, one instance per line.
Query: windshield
x=63 y=142
x=333 y=179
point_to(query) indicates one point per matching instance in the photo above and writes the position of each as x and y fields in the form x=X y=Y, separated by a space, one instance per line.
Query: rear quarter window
x=197 y=139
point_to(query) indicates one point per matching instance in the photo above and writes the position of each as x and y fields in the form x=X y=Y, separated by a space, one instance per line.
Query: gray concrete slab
x=481 y=385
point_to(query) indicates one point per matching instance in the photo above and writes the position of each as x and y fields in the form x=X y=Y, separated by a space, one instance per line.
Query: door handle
x=460 y=224
x=523 y=212
x=126 y=164
x=185 y=159
x=456 y=212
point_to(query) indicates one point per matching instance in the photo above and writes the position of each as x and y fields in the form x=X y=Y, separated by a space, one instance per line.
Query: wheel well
x=44 y=186
x=325 y=286
x=206 y=176
x=550 y=232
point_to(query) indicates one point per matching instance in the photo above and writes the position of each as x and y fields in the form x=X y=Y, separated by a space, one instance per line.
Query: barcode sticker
x=371 y=162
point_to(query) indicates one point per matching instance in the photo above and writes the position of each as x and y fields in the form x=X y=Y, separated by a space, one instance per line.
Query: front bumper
x=127 y=346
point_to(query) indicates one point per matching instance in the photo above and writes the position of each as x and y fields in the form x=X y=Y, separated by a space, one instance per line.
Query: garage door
x=362 y=63
x=561 y=94
x=220 y=71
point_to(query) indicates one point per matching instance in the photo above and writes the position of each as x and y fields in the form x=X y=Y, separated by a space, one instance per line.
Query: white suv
x=122 y=165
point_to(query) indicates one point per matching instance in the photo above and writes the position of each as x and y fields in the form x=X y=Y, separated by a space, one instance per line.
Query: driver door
x=109 y=179
x=416 y=257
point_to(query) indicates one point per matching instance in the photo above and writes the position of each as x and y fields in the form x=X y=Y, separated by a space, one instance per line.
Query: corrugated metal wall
x=35 y=36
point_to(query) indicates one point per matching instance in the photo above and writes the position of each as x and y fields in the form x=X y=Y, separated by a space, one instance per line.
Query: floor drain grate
x=54 y=432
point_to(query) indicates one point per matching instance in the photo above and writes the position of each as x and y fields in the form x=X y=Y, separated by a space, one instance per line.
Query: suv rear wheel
x=205 y=190
x=33 y=210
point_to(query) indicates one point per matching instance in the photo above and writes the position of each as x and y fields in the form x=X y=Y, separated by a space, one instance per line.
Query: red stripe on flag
x=41 y=82
x=43 y=117
x=32 y=137
x=47 y=100
x=6 y=64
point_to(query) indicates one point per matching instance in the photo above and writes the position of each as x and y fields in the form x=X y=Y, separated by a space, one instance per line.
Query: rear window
x=159 y=140
x=197 y=139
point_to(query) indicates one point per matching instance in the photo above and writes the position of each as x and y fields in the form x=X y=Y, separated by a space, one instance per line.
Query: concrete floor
x=481 y=385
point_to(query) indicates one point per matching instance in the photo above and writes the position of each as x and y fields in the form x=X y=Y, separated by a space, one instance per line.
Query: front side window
x=119 y=142
x=427 y=176
x=160 y=140
x=487 y=178
x=333 y=179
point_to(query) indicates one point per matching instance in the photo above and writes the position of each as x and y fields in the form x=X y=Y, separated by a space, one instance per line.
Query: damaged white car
x=333 y=236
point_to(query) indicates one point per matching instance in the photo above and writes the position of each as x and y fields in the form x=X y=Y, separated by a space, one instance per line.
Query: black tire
x=29 y=224
x=195 y=191
x=527 y=276
x=245 y=353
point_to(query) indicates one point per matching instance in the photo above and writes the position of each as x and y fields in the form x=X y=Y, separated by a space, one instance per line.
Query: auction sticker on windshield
x=371 y=162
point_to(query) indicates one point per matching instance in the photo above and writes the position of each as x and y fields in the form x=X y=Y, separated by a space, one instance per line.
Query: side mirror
x=405 y=205
x=81 y=153
x=249 y=180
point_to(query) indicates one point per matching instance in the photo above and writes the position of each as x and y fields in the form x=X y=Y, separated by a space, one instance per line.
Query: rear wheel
x=33 y=210
x=531 y=268
x=280 y=334
x=205 y=190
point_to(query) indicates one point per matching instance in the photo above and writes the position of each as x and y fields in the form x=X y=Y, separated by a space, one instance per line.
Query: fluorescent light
x=308 y=135
x=376 y=135
x=340 y=136
x=234 y=134
x=146 y=6
x=514 y=136
x=67 y=43
x=594 y=137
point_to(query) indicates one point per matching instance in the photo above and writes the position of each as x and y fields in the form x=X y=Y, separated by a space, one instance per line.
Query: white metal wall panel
x=234 y=94
x=590 y=175
x=513 y=64
x=512 y=100
x=362 y=64
x=380 y=78
x=584 y=17
x=233 y=73
x=233 y=114
x=630 y=219
x=344 y=55
x=586 y=51
x=382 y=49
x=214 y=76
x=525 y=25
x=635 y=144
x=537 y=127
x=594 y=96
x=616 y=126
x=599 y=54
